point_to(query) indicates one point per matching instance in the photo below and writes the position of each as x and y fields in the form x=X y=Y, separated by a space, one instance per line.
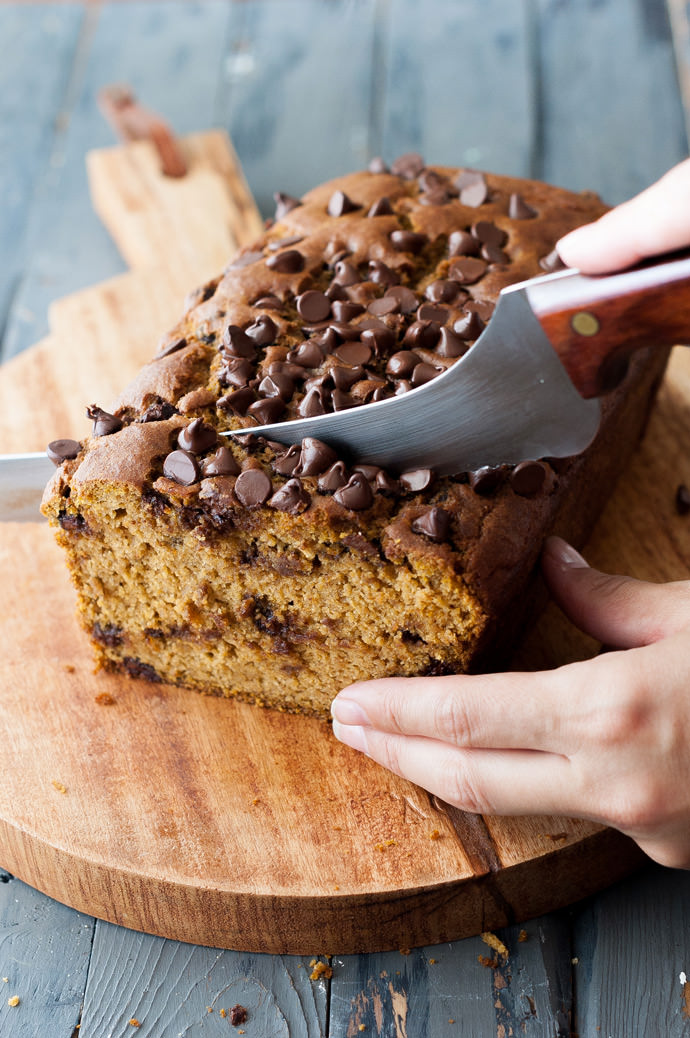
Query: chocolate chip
x=344 y=378
x=488 y=233
x=442 y=291
x=486 y=479
x=682 y=500
x=402 y=386
x=381 y=274
x=527 y=478
x=381 y=339
x=104 y=423
x=422 y=335
x=315 y=457
x=437 y=196
x=492 y=254
x=461 y=243
x=467 y=270
x=277 y=384
x=381 y=207
x=416 y=480
x=269 y=302
x=341 y=400
x=284 y=204
x=171 y=347
x=238 y=401
x=307 y=355
x=336 y=291
x=437 y=315
x=552 y=262
x=222 y=463
x=339 y=204
x=377 y=165
x=197 y=437
x=333 y=478
x=313 y=403
x=236 y=372
x=356 y=494
x=292 y=498
x=263 y=331
x=386 y=484
x=408 y=241
x=289 y=262
x=451 y=345
x=424 y=373
x=434 y=524
x=181 y=467
x=384 y=305
x=354 y=353
x=473 y=188
x=408 y=166
x=346 y=311
x=253 y=488
x=346 y=273
x=518 y=208
x=62 y=450
x=160 y=411
x=267 y=410
x=408 y=300
x=402 y=364
x=237 y=343
x=313 y=306
x=469 y=327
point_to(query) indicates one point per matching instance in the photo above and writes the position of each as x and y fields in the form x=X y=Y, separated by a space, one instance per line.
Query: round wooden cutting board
x=217 y=823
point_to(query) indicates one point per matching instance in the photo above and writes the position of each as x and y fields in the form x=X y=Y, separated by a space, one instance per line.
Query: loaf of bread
x=279 y=575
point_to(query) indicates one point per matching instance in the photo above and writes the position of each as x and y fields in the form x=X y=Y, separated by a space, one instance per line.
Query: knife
x=528 y=388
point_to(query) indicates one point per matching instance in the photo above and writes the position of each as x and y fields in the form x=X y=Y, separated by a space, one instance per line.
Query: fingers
x=618 y=611
x=655 y=221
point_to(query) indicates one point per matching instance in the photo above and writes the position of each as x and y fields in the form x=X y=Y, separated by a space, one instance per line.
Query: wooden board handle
x=594 y=323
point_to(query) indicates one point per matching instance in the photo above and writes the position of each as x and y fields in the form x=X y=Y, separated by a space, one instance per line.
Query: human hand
x=655 y=221
x=606 y=739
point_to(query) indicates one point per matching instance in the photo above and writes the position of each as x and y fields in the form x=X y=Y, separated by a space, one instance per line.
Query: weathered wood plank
x=177 y=989
x=457 y=84
x=679 y=19
x=37 y=46
x=611 y=118
x=297 y=92
x=171 y=56
x=631 y=945
x=44 y=957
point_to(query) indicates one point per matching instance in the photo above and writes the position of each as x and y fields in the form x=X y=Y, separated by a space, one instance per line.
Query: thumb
x=616 y=610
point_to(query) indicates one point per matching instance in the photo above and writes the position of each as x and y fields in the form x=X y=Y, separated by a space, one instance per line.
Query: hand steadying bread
x=605 y=739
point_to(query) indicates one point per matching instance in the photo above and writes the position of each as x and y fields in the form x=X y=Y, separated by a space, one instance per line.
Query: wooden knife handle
x=594 y=323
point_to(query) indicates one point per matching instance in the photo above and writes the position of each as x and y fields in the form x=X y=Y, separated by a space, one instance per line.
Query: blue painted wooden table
x=584 y=93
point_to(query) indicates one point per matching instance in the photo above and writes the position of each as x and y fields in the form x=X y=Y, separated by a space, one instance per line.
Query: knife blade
x=23 y=479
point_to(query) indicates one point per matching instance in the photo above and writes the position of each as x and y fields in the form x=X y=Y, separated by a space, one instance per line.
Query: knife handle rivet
x=584 y=323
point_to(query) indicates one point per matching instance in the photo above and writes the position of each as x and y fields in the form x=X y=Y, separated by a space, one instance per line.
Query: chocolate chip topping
x=104 y=423
x=268 y=410
x=315 y=457
x=442 y=291
x=62 y=450
x=284 y=205
x=528 y=477
x=381 y=274
x=402 y=364
x=181 y=467
x=474 y=190
x=377 y=165
x=238 y=401
x=289 y=262
x=346 y=273
x=222 y=463
x=253 y=488
x=307 y=355
x=518 y=209
x=356 y=494
x=313 y=306
x=434 y=524
x=486 y=479
x=462 y=243
x=333 y=478
x=431 y=312
x=197 y=437
x=171 y=347
x=469 y=327
x=355 y=353
x=467 y=270
x=263 y=331
x=488 y=233
x=291 y=497
x=277 y=384
x=416 y=480
x=552 y=262
x=408 y=241
x=408 y=166
x=381 y=207
x=339 y=204
x=286 y=462
x=407 y=299
x=451 y=344
x=682 y=500
x=236 y=343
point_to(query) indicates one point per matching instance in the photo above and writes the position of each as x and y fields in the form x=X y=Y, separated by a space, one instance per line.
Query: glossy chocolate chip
x=104 y=423
x=682 y=500
x=416 y=480
x=386 y=304
x=236 y=372
x=356 y=495
x=467 y=270
x=269 y=302
x=408 y=241
x=434 y=524
x=402 y=364
x=171 y=347
x=493 y=254
x=408 y=166
x=222 y=463
x=236 y=343
x=277 y=385
x=346 y=311
x=345 y=377
x=238 y=401
x=315 y=457
x=308 y=355
x=354 y=353
x=386 y=484
x=286 y=462
x=339 y=204
x=528 y=477
x=381 y=340
x=284 y=204
x=424 y=373
x=486 y=479
x=408 y=299
x=442 y=291
x=314 y=402
x=267 y=410
x=253 y=488
x=341 y=400
x=313 y=306
x=377 y=165
x=263 y=331
x=422 y=335
x=469 y=327
x=62 y=450
x=551 y=262
x=518 y=209
x=181 y=467
x=346 y=273
x=289 y=262
x=450 y=344
x=381 y=207
x=489 y=233
x=197 y=437
x=430 y=312
x=461 y=243
x=291 y=498
x=336 y=291
x=473 y=188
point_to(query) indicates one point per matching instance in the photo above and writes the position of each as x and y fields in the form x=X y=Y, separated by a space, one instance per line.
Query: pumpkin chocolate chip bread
x=278 y=575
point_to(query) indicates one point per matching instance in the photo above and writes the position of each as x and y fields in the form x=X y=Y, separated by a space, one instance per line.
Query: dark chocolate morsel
x=236 y=372
x=408 y=300
x=424 y=373
x=289 y=262
x=473 y=188
x=682 y=500
x=267 y=410
x=291 y=497
x=518 y=208
x=381 y=274
x=354 y=353
x=345 y=377
x=467 y=270
x=313 y=306
x=315 y=457
x=159 y=411
x=551 y=262
x=104 y=423
x=284 y=204
x=493 y=254
x=528 y=477
x=442 y=291
x=408 y=166
x=469 y=327
x=434 y=524
x=402 y=364
x=381 y=207
x=342 y=400
x=62 y=450
x=356 y=494
x=408 y=241
x=346 y=311
x=346 y=273
x=451 y=345
x=269 y=302
x=416 y=480
x=461 y=243
x=377 y=165
x=277 y=384
x=381 y=339
x=238 y=401
x=431 y=312
x=422 y=335
x=171 y=347
x=489 y=233
x=313 y=402
x=181 y=467
x=308 y=355
x=384 y=305
x=236 y=343
x=222 y=463
x=486 y=479
x=253 y=488
x=286 y=463
x=197 y=437
x=339 y=204
x=333 y=478
x=263 y=331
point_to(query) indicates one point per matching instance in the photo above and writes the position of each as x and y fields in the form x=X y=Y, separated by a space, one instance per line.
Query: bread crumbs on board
x=13 y=1001
x=495 y=943
x=61 y=788
x=319 y=970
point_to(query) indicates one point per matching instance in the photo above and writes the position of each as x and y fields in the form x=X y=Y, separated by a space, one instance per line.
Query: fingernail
x=352 y=735
x=564 y=554
x=348 y=712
